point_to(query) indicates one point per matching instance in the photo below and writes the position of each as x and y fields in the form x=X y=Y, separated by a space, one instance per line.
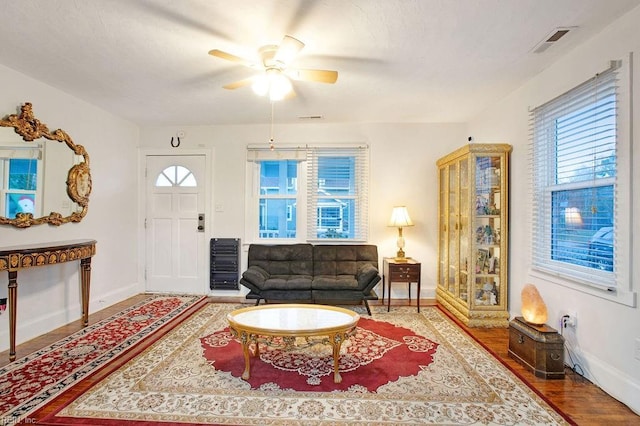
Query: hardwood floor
x=581 y=400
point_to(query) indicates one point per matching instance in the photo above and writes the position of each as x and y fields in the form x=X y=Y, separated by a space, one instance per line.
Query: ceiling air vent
x=551 y=38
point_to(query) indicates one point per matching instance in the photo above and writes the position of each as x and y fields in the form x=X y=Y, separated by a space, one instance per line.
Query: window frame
x=622 y=289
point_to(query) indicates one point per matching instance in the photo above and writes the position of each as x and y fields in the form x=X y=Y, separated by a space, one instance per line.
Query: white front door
x=175 y=246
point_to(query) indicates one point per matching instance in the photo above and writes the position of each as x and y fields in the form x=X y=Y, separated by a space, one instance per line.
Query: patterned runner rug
x=399 y=368
x=34 y=380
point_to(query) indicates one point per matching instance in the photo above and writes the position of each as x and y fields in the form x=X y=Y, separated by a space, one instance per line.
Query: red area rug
x=378 y=353
x=29 y=382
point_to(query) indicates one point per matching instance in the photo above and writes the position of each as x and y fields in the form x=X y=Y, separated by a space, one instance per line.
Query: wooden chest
x=539 y=348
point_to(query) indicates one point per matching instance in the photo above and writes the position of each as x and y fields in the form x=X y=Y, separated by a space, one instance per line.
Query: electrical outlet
x=637 y=350
x=570 y=319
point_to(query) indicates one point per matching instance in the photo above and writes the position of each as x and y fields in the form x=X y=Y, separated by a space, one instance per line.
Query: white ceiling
x=398 y=60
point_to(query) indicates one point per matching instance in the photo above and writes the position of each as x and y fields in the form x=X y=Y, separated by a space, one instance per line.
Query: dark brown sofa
x=313 y=273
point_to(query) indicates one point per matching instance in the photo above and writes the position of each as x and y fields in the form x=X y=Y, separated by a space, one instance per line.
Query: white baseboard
x=614 y=382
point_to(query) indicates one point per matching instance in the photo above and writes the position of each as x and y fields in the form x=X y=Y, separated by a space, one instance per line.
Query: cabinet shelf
x=472 y=258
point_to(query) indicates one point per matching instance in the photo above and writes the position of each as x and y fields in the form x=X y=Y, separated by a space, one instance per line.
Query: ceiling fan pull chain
x=271 y=144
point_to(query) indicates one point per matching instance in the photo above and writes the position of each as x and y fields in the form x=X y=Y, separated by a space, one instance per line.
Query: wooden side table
x=406 y=271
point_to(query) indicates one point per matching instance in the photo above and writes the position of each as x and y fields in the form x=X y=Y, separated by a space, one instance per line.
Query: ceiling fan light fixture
x=260 y=85
x=272 y=83
x=279 y=87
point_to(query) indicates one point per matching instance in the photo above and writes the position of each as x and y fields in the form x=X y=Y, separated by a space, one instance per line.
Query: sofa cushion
x=287 y=282
x=366 y=273
x=255 y=275
x=334 y=282
x=282 y=259
x=343 y=259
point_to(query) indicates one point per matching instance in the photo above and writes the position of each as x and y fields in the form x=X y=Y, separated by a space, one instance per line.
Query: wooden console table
x=15 y=258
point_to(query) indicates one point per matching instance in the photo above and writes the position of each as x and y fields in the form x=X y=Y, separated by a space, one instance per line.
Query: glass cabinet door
x=463 y=232
x=452 y=226
x=442 y=249
x=487 y=231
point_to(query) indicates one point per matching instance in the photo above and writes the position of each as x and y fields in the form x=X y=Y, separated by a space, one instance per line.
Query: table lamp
x=400 y=218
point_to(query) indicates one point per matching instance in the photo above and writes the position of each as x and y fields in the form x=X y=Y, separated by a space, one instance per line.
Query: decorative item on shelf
x=487 y=235
x=481 y=205
x=493 y=262
x=493 y=176
x=487 y=295
x=534 y=310
x=493 y=210
x=400 y=219
x=482 y=261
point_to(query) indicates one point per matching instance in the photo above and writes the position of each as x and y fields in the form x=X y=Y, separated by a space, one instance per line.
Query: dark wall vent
x=224 y=263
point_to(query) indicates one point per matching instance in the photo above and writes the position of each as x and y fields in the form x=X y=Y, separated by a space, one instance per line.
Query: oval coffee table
x=261 y=324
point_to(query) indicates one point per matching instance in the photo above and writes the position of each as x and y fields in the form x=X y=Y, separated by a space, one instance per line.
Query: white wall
x=49 y=296
x=403 y=171
x=603 y=341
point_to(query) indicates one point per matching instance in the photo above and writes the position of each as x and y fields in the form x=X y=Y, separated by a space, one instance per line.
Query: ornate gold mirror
x=32 y=174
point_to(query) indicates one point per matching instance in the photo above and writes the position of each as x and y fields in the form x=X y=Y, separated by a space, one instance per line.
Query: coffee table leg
x=336 y=343
x=247 y=364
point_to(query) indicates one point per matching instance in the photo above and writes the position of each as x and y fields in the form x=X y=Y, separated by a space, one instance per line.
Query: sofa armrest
x=367 y=274
x=256 y=276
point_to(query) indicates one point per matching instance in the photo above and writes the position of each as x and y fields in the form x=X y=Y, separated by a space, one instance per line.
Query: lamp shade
x=572 y=216
x=400 y=217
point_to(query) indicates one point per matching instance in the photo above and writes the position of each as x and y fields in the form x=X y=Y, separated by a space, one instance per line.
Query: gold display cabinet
x=473 y=234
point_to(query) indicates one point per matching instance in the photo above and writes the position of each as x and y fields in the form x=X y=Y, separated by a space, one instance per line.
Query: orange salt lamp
x=534 y=309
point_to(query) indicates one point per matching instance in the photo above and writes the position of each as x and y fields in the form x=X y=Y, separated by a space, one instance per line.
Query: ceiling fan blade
x=238 y=84
x=230 y=57
x=320 y=76
x=288 y=50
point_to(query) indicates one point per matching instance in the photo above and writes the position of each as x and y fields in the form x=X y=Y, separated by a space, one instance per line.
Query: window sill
x=616 y=295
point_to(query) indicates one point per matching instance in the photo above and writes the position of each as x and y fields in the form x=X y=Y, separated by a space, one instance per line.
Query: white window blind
x=338 y=193
x=573 y=169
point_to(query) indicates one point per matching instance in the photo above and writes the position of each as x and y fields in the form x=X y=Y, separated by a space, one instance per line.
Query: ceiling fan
x=275 y=78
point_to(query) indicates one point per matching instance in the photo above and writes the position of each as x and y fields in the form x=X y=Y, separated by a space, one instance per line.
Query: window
x=20 y=176
x=574 y=167
x=176 y=176
x=324 y=187
x=278 y=198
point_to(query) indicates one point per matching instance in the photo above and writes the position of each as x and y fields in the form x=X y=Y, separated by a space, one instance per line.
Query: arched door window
x=176 y=176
